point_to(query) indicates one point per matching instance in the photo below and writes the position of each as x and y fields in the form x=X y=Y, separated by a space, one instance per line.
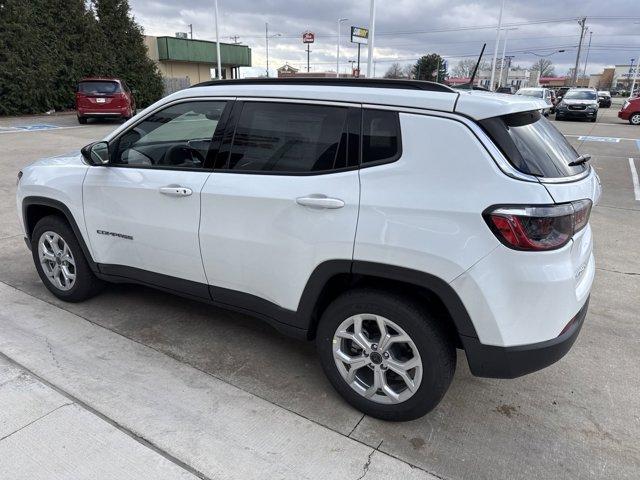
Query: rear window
x=533 y=145
x=98 y=87
x=530 y=93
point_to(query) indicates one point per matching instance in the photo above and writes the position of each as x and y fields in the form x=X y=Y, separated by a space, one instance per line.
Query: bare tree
x=545 y=67
x=465 y=67
x=396 y=71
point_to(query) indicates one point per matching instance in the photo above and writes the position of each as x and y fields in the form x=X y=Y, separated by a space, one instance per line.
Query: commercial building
x=184 y=62
x=514 y=77
x=287 y=70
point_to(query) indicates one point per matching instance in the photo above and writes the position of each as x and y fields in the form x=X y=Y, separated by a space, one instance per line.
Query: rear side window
x=289 y=138
x=380 y=136
x=99 y=87
x=533 y=145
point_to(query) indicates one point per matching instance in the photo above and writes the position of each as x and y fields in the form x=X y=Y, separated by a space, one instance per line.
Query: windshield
x=580 y=95
x=531 y=93
x=533 y=145
x=101 y=87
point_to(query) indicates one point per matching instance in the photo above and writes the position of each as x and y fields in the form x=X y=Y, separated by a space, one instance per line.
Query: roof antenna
x=475 y=69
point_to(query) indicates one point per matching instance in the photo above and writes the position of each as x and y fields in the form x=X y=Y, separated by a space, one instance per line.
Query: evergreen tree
x=126 y=53
x=430 y=67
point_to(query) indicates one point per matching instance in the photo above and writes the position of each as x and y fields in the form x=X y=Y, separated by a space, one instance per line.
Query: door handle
x=320 y=202
x=176 y=191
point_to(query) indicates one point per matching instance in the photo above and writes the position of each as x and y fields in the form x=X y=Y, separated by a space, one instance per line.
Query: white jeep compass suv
x=390 y=221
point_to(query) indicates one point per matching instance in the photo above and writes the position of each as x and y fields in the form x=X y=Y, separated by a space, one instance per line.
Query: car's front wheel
x=60 y=263
x=385 y=354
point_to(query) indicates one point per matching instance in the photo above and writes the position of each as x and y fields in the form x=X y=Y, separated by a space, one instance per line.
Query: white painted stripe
x=634 y=177
x=621 y=138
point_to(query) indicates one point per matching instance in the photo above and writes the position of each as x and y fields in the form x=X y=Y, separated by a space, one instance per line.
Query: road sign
x=359 y=35
x=308 y=37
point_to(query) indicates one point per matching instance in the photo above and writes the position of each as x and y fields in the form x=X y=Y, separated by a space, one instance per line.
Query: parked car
x=630 y=111
x=389 y=221
x=104 y=98
x=509 y=90
x=604 y=99
x=578 y=103
x=560 y=92
x=539 y=92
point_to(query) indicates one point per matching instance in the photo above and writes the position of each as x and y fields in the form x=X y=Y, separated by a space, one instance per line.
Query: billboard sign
x=359 y=35
x=308 y=37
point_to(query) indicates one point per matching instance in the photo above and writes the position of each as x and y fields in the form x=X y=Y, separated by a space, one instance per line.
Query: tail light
x=538 y=228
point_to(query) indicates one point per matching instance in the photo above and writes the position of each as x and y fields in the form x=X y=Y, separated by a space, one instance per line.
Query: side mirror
x=96 y=153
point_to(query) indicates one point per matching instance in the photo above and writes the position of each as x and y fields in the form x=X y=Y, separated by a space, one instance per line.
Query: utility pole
x=372 y=33
x=581 y=22
x=235 y=39
x=191 y=31
x=340 y=20
x=495 y=49
x=635 y=78
x=586 y=60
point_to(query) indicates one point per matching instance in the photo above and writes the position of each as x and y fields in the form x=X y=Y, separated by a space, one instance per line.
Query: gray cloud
x=406 y=28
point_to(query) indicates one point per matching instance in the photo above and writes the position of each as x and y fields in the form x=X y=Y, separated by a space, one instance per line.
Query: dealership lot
x=218 y=394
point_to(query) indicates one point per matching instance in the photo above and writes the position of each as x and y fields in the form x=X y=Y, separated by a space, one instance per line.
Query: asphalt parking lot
x=215 y=394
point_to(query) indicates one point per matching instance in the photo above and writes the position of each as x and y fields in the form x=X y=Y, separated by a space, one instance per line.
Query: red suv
x=631 y=111
x=104 y=97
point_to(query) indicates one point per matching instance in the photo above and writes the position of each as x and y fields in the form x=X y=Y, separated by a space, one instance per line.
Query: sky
x=407 y=29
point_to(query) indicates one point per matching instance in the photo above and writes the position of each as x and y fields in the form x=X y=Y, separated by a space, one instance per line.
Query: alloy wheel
x=377 y=358
x=635 y=119
x=56 y=260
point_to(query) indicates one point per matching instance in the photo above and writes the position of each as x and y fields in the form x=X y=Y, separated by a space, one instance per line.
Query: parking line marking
x=638 y=144
x=634 y=176
x=590 y=138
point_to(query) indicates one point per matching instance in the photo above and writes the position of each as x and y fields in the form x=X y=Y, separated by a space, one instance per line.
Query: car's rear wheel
x=634 y=119
x=82 y=120
x=60 y=263
x=385 y=354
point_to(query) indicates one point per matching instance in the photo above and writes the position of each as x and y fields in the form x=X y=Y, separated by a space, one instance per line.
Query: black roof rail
x=335 y=82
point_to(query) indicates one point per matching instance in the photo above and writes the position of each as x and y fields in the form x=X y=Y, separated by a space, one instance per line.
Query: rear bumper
x=111 y=112
x=511 y=362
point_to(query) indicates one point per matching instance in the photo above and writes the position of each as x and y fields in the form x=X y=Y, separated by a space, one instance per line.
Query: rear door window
x=95 y=87
x=533 y=145
x=289 y=138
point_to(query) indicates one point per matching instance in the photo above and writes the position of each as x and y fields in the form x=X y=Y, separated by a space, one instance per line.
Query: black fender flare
x=66 y=213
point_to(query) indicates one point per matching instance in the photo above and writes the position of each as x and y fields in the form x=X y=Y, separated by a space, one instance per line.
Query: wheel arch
x=334 y=277
x=36 y=208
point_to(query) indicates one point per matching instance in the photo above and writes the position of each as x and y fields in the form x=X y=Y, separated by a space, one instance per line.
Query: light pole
x=266 y=38
x=504 y=51
x=372 y=35
x=340 y=20
x=219 y=72
x=495 y=49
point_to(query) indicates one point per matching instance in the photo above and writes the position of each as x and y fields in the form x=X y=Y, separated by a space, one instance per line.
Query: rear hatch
x=535 y=147
x=99 y=94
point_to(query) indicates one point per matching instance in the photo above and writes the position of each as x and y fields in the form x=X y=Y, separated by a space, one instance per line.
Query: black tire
x=592 y=120
x=434 y=344
x=82 y=120
x=635 y=117
x=86 y=284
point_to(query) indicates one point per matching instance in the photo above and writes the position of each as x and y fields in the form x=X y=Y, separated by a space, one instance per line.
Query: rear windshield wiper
x=580 y=160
